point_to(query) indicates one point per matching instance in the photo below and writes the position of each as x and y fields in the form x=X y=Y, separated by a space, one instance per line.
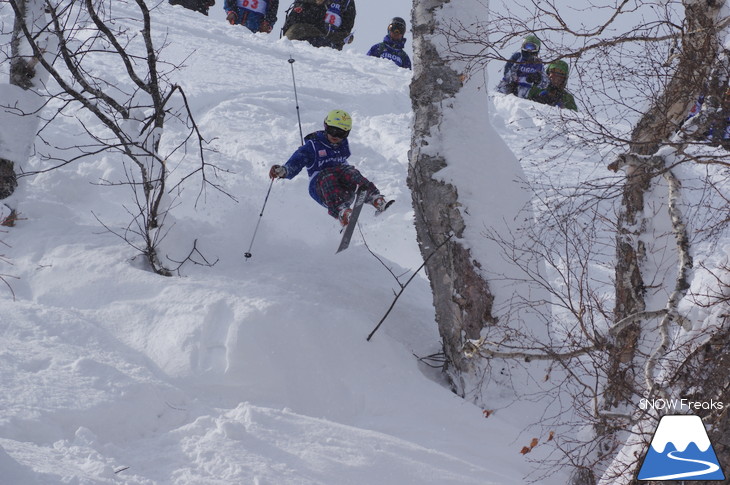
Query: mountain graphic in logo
x=681 y=450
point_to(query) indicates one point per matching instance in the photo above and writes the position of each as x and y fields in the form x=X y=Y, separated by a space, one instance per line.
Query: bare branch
x=403 y=286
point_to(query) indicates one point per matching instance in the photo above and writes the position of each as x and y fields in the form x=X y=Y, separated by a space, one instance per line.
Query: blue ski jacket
x=316 y=154
x=251 y=13
x=520 y=74
x=393 y=50
x=719 y=130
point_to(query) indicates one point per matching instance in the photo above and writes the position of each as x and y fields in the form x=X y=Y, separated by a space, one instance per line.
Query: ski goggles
x=397 y=28
x=336 y=132
x=529 y=47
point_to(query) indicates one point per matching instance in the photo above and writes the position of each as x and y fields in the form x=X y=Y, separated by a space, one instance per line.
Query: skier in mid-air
x=332 y=180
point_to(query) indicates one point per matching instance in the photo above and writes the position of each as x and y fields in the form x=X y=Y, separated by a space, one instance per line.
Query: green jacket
x=552 y=96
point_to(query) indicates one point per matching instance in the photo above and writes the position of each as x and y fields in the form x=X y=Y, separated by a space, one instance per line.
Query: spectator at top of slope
x=714 y=116
x=554 y=94
x=523 y=70
x=393 y=44
x=305 y=21
x=339 y=21
x=256 y=15
x=201 y=6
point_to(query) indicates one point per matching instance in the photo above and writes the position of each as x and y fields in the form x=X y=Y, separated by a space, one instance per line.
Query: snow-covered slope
x=251 y=371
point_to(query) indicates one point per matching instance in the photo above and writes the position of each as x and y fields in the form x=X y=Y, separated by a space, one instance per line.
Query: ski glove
x=231 y=17
x=265 y=27
x=277 y=171
x=533 y=78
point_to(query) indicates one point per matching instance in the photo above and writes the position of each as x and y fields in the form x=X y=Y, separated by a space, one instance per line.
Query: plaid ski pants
x=336 y=187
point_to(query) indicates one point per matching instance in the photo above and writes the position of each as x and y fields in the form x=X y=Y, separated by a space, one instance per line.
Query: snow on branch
x=684 y=260
x=479 y=347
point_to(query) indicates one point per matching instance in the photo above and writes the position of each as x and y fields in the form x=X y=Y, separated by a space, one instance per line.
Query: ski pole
x=349 y=38
x=247 y=254
x=296 y=99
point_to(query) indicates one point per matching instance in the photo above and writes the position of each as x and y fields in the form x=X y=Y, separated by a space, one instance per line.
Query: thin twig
x=403 y=287
x=380 y=260
x=190 y=257
x=439 y=357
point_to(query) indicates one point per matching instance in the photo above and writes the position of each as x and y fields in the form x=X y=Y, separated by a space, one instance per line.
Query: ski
x=360 y=197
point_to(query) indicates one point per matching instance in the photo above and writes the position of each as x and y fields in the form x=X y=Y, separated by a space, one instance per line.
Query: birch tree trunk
x=24 y=75
x=698 y=53
x=462 y=297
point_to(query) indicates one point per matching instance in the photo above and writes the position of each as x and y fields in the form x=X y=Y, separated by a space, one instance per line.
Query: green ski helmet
x=531 y=44
x=560 y=66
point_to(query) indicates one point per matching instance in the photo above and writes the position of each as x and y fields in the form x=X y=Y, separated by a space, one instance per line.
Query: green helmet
x=339 y=119
x=531 y=44
x=560 y=66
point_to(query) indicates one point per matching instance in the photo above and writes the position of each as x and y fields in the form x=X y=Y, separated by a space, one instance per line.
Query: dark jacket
x=201 y=6
x=305 y=21
x=339 y=20
x=393 y=50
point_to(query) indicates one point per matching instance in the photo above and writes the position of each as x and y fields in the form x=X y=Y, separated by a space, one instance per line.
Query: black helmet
x=397 y=24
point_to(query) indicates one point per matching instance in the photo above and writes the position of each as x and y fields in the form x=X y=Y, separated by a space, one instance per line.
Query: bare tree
x=130 y=114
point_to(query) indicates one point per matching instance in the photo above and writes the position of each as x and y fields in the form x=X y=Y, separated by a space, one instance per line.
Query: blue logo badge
x=681 y=450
